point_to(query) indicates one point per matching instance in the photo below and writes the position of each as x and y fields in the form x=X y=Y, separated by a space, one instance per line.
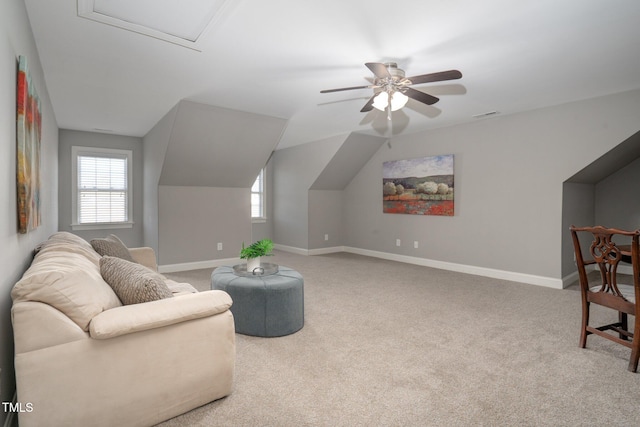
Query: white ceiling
x=273 y=58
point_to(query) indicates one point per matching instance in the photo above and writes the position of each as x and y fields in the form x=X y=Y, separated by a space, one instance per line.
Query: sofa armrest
x=157 y=314
x=38 y=325
x=145 y=256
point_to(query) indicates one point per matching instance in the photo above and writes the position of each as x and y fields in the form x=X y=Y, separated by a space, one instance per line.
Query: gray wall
x=309 y=180
x=578 y=201
x=132 y=237
x=603 y=198
x=193 y=220
x=509 y=174
x=611 y=202
x=200 y=162
x=295 y=170
x=155 y=145
x=325 y=218
x=617 y=201
x=16 y=249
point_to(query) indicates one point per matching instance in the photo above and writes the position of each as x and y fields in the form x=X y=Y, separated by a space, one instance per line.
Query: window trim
x=97 y=151
x=263 y=197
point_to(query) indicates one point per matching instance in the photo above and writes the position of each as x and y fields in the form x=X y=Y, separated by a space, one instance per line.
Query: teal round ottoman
x=264 y=306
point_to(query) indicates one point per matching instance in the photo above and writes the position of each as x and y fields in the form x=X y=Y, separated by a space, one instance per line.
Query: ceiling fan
x=392 y=89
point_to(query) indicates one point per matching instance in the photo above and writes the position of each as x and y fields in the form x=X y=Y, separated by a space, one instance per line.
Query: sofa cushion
x=132 y=282
x=66 y=242
x=178 y=288
x=65 y=237
x=67 y=281
x=112 y=246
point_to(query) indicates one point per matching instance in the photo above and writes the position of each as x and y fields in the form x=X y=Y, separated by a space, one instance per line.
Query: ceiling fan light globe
x=381 y=101
x=398 y=100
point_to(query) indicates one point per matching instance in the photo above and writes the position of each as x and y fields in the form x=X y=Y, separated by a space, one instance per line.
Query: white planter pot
x=252 y=264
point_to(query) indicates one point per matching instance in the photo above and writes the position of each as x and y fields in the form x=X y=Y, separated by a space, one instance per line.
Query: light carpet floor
x=393 y=344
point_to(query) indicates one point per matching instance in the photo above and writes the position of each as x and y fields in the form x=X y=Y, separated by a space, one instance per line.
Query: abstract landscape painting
x=420 y=186
x=29 y=127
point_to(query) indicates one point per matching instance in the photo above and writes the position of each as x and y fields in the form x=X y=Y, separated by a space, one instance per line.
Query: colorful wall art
x=421 y=186
x=28 y=132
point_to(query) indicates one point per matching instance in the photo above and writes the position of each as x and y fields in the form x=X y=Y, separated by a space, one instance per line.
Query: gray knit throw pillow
x=133 y=283
x=111 y=246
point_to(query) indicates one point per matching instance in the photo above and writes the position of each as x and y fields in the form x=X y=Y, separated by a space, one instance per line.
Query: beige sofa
x=84 y=359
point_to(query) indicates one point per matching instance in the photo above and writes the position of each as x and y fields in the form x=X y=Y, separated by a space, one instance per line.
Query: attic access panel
x=182 y=22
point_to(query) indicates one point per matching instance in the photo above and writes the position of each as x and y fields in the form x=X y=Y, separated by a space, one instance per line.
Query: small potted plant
x=253 y=252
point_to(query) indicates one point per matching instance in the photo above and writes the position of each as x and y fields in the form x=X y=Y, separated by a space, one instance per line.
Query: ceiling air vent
x=487 y=114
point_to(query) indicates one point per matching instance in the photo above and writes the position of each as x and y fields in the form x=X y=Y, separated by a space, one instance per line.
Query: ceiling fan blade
x=346 y=88
x=369 y=105
x=380 y=70
x=425 y=98
x=435 y=77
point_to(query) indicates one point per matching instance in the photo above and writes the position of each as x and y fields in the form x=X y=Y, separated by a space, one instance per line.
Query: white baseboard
x=530 y=279
x=291 y=249
x=462 y=268
x=324 y=251
x=569 y=279
x=300 y=251
x=174 y=268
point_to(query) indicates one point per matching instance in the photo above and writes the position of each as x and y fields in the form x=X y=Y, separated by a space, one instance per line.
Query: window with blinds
x=258 y=197
x=101 y=186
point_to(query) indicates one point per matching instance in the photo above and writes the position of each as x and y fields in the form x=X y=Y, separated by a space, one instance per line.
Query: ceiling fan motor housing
x=396 y=72
x=395 y=82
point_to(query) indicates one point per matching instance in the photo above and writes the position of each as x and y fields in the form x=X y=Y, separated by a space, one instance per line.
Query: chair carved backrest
x=607 y=251
x=607 y=255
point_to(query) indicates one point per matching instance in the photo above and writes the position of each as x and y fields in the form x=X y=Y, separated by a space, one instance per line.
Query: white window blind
x=258 y=196
x=102 y=186
x=102 y=189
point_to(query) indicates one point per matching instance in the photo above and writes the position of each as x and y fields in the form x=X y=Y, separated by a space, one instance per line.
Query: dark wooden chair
x=608 y=248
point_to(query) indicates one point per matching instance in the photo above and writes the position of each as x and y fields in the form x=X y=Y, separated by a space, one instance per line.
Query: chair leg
x=635 y=355
x=585 y=322
x=622 y=318
x=635 y=345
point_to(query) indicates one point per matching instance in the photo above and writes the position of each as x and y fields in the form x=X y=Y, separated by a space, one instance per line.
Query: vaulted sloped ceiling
x=622 y=155
x=354 y=153
x=217 y=147
x=274 y=58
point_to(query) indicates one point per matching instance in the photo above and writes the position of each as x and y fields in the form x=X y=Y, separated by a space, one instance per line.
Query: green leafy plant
x=260 y=248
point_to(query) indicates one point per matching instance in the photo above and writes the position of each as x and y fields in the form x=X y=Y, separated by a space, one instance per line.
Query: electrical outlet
x=415 y=244
x=397 y=242
x=220 y=246
x=326 y=237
